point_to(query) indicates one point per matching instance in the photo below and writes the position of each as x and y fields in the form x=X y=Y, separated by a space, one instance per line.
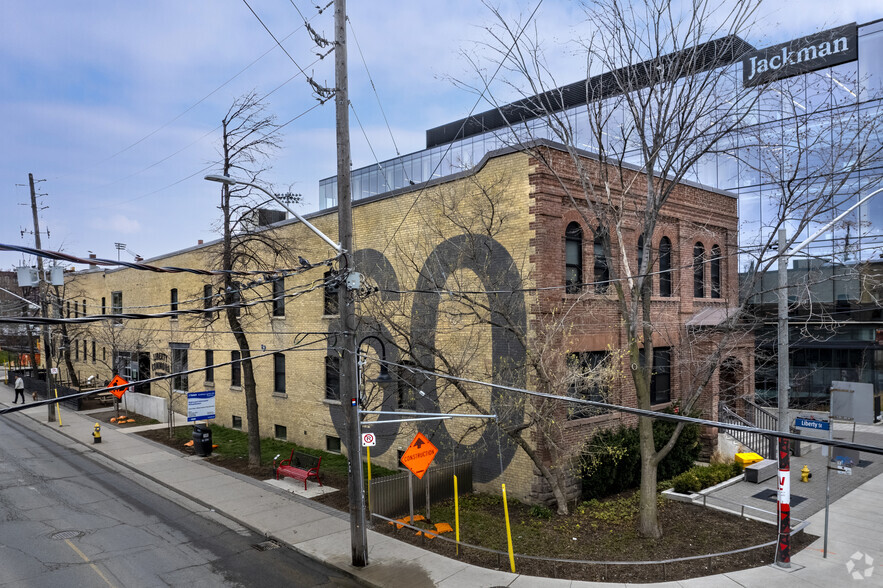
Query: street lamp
x=233 y=182
x=348 y=367
x=783 y=549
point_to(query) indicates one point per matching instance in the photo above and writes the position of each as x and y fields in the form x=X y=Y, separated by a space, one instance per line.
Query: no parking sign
x=368 y=440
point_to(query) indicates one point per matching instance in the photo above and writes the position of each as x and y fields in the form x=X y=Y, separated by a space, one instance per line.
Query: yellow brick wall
x=405 y=227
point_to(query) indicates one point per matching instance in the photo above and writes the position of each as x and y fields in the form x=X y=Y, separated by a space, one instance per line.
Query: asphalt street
x=70 y=517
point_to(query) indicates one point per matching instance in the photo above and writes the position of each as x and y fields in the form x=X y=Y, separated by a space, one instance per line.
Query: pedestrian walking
x=19 y=390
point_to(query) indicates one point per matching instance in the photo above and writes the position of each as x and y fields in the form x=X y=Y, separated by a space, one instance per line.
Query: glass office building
x=812 y=132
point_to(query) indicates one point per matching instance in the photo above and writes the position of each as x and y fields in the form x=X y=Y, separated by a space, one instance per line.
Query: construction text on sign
x=419 y=455
x=119 y=381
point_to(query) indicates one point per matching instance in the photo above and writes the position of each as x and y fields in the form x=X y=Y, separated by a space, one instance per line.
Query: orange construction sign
x=118 y=381
x=419 y=455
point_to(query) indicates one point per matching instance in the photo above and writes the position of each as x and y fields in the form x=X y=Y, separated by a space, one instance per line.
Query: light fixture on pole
x=233 y=182
x=783 y=546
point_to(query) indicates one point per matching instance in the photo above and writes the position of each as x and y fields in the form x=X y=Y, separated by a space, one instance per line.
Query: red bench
x=300 y=466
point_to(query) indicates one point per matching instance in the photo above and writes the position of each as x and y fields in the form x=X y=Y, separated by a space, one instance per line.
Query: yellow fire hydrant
x=804 y=474
x=96 y=434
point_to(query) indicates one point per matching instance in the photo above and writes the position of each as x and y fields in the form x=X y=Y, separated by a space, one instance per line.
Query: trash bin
x=202 y=440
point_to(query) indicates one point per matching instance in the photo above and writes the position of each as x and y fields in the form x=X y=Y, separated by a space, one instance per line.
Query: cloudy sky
x=116 y=105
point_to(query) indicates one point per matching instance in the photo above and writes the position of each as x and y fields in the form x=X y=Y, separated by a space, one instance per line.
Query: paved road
x=69 y=517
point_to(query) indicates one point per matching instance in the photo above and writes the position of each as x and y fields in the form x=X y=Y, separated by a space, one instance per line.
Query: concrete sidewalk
x=856 y=525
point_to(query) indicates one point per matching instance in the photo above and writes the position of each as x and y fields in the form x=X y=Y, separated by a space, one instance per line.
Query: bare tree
x=668 y=103
x=249 y=138
x=478 y=331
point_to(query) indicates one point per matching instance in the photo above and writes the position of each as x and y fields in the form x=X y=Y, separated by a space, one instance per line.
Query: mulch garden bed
x=599 y=531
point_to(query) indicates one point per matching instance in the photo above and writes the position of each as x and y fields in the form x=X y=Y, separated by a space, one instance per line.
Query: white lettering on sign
x=784 y=487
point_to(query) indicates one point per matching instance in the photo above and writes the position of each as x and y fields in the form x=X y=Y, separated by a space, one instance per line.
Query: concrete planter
x=697 y=496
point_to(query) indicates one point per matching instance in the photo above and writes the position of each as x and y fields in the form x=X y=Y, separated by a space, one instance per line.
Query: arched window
x=602 y=270
x=698 y=270
x=715 y=271
x=573 y=258
x=665 y=267
x=648 y=276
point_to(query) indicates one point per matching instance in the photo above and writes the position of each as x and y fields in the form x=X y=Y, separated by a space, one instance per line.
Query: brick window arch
x=665 y=267
x=601 y=268
x=715 y=267
x=698 y=270
x=573 y=258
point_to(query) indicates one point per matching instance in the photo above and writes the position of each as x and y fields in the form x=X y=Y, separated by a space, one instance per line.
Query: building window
x=589 y=376
x=237 y=422
x=76 y=309
x=207 y=299
x=660 y=378
x=104 y=354
x=408 y=386
x=84 y=308
x=179 y=364
x=602 y=270
x=173 y=300
x=279 y=297
x=332 y=444
x=698 y=270
x=209 y=361
x=665 y=267
x=715 y=271
x=116 y=306
x=93 y=351
x=330 y=307
x=332 y=377
x=235 y=370
x=279 y=373
x=399 y=455
x=76 y=345
x=280 y=432
x=573 y=258
x=103 y=305
x=85 y=350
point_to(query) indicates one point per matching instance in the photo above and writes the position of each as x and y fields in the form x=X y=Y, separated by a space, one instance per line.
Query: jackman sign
x=831 y=47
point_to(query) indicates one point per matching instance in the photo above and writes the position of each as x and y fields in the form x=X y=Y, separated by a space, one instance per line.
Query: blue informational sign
x=812 y=424
x=200 y=406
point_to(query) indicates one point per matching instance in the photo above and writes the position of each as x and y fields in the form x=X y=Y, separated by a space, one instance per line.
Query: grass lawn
x=232 y=449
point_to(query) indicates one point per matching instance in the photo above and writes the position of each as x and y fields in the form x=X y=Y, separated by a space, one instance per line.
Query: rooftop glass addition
x=832 y=99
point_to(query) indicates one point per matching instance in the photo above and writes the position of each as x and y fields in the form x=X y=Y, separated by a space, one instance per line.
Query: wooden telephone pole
x=45 y=329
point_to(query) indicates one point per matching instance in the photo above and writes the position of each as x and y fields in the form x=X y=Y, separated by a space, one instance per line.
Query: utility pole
x=783 y=545
x=45 y=329
x=349 y=390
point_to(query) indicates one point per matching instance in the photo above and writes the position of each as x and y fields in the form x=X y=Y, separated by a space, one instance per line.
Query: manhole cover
x=66 y=535
x=266 y=545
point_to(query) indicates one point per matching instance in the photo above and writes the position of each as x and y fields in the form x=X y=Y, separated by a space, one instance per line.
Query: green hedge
x=611 y=462
x=701 y=477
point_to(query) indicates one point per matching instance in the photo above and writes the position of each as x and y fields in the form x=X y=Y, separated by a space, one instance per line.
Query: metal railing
x=389 y=494
x=757 y=442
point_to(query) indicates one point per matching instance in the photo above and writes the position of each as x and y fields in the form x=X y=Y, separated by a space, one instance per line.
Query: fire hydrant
x=804 y=474
x=96 y=434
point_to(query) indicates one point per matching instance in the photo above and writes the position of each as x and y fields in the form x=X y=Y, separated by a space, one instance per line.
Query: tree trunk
x=649 y=521
x=551 y=477
x=249 y=388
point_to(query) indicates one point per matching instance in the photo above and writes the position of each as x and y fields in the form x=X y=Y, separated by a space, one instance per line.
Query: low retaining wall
x=154 y=407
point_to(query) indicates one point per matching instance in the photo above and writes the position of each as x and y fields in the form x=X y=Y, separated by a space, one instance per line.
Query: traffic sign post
x=417 y=458
x=118 y=380
x=419 y=455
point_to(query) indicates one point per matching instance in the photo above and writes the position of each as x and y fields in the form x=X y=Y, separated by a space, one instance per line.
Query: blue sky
x=116 y=104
